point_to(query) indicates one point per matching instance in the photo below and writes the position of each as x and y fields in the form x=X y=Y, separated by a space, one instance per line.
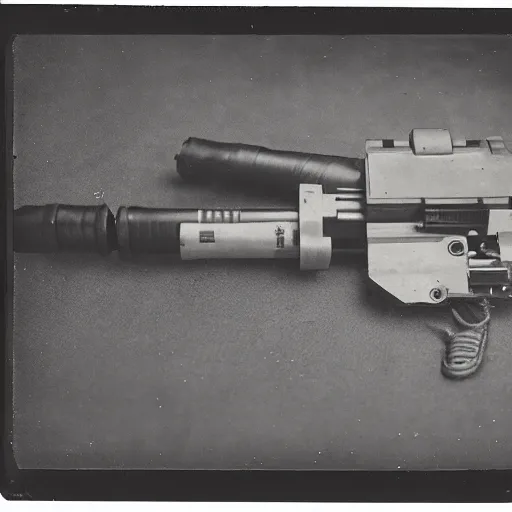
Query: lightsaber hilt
x=199 y=234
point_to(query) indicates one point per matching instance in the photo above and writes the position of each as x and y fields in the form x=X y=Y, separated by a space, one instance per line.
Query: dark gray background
x=235 y=365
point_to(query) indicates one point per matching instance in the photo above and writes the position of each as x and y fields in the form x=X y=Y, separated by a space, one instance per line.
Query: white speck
x=252 y=26
x=157 y=398
x=202 y=378
x=315 y=461
x=396 y=76
x=494 y=421
x=496 y=440
x=398 y=467
x=319 y=453
x=251 y=77
x=159 y=406
x=160 y=453
x=291 y=360
x=47 y=161
x=265 y=357
x=358 y=420
x=277 y=361
x=184 y=380
x=90 y=444
x=399 y=434
x=416 y=434
x=479 y=70
x=458 y=439
x=479 y=426
x=122 y=51
x=352 y=452
x=99 y=194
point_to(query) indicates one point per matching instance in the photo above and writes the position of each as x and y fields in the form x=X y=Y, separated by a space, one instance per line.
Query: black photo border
x=236 y=485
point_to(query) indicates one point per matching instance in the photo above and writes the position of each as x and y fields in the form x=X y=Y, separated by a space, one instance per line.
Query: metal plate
x=411 y=267
x=398 y=173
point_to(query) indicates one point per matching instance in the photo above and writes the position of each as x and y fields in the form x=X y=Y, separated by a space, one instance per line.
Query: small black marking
x=280 y=237
x=388 y=143
x=472 y=143
x=295 y=237
x=206 y=237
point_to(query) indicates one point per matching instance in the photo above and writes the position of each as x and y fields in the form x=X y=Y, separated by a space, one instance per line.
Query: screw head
x=456 y=248
x=438 y=294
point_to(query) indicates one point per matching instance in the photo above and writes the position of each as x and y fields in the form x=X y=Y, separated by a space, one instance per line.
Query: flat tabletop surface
x=123 y=364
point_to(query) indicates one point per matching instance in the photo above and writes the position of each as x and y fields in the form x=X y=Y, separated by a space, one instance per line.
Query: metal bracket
x=315 y=248
x=415 y=268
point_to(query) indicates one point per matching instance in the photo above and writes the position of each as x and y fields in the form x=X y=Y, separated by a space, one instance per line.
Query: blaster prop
x=433 y=215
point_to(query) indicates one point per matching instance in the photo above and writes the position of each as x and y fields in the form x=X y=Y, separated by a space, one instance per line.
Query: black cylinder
x=57 y=227
x=207 y=161
x=150 y=230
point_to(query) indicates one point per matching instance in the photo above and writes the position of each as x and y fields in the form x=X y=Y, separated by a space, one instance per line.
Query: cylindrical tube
x=57 y=227
x=250 y=240
x=136 y=230
x=235 y=216
x=206 y=161
x=150 y=230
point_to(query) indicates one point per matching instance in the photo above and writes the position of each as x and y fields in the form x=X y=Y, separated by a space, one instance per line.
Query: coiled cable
x=465 y=350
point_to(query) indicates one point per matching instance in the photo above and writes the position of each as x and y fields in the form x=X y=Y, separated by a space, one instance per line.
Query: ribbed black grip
x=150 y=230
x=205 y=161
x=57 y=227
